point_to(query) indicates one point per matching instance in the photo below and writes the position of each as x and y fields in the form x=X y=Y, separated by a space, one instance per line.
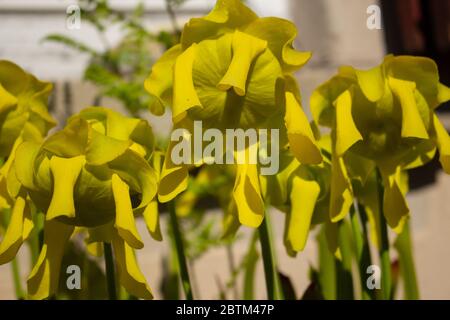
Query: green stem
x=16 y=278
x=181 y=257
x=327 y=268
x=408 y=270
x=269 y=261
x=344 y=266
x=386 y=278
x=110 y=273
x=362 y=248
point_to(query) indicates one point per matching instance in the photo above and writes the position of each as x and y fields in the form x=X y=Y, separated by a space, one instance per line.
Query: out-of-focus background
x=336 y=31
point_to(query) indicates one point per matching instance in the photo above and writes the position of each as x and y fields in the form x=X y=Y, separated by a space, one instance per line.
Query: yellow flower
x=95 y=173
x=303 y=193
x=23 y=116
x=233 y=70
x=383 y=117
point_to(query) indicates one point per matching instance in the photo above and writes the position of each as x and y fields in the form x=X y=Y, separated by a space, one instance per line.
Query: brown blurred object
x=419 y=27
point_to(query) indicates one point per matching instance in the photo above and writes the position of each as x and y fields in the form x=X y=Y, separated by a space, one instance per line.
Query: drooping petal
x=173 y=178
x=396 y=210
x=131 y=277
x=347 y=134
x=280 y=35
x=43 y=279
x=303 y=196
x=412 y=123
x=230 y=221
x=160 y=81
x=151 y=217
x=371 y=83
x=19 y=229
x=125 y=223
x=184 y=95
x=245 y=49
x=443 y=142
x=65 y=173
x=301 y=138
x=341 y=190
x=137 y=173
x=247 y=194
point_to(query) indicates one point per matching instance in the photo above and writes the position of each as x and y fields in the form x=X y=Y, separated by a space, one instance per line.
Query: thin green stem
x=344 y=266
x=386 y=278
x=16 y=278
x=362 y=248
x=181 y=257
x=404 y=247
x=270 y=269
x=110 y=273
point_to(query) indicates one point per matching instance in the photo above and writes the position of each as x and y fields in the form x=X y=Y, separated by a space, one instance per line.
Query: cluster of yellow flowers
x=232 y=69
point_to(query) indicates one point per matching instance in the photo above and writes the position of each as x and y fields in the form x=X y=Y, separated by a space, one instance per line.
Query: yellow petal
x=173 y=178
x=184 y=94
x=371 y=83
x=280 y=35
x=341 y=190
x=412 y=123
x=125 y=224
x=160 y=80
x=443 y=94
x=7 y=100
x=102 y=149
x=443 y=142
x=43 y=279
x=230 y=220
x=347 y=133
x=151 y=217
x=19 y=229
x=301 y=138
x=245 y=49
x=303 y=197
x=396 y=210
x=131 y=277
x=247 y=195
x=65 y=173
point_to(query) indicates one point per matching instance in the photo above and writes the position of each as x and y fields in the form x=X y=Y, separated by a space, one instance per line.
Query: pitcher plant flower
x=382 y=118
x=23 y=116
x=95 y=173
x=302 y=192
x=233 y=70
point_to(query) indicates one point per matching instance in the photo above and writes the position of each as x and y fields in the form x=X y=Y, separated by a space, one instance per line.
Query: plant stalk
x=110 y=272
x=386 y=277
x=270 y=269
x=181 y=257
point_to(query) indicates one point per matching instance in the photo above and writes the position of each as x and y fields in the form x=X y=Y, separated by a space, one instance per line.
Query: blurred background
x=106 y=59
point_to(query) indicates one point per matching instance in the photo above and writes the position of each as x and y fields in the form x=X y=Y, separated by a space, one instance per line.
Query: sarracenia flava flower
x=233 y=70
x=95 y=173
x=382 y=118
x=303 y=193
x=23 y=116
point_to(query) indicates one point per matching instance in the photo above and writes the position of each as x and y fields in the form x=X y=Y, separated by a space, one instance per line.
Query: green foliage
x=119 y=71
